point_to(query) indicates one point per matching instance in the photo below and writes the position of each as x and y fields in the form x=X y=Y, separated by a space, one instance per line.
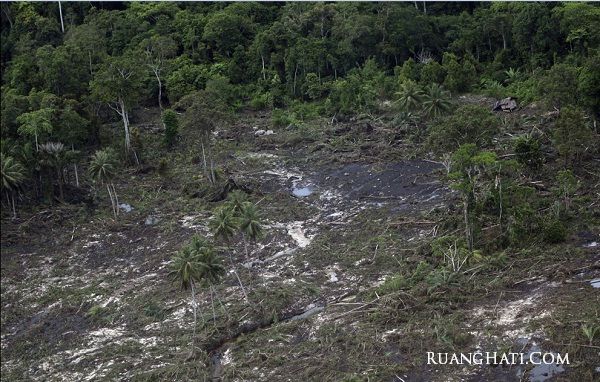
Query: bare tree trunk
x=219 y=300
x=123 y=113
x=75 y=169
x=159 y=89
x=212 y=305
x=204 y=160
x=14 y=210
x=62 y=24
x=468 y=225
x=295 y=75
x=194 y=308
x=113 y=204
x=60 y=185
x=238 y=277
x=116 y=198
x=264 y=75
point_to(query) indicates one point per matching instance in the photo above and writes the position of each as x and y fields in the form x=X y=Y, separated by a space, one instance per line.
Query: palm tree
x=409 y=96
x=249 y=223
x=103 y=167
x=54 y=157
x=186 y=270
x=437 y=101
x=211 y=270
x=13 y=174
x=223 y=226
x=235 y=200
x=194 y=264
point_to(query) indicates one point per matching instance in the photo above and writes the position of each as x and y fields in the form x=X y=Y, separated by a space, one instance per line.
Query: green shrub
x=171 y=123
x=469 y=124
x=394 y=283
x=528 y=152
x=282 y=118
x=432 y=73
x=555 y=231
x=260 y=101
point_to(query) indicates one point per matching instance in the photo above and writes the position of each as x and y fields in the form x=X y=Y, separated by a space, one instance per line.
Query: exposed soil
x=87 y=297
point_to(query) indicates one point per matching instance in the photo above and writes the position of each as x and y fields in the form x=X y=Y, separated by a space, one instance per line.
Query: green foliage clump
x=555 y=231
x=559 y=86
x=171 y=122
x=468 y=124
x=409 y=71
x=571 y=135
x=432 y=73
x=459 y=77
x=527 y=149
x=358 y=91
x=261 y=100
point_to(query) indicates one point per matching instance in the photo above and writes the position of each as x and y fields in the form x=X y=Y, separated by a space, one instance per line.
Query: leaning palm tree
x=103 y=169
x=223 y=226
x=410 y=96
x=186 y=269
x=436 y=101
x=13 y=174
x=211 y=272
x=250 y=224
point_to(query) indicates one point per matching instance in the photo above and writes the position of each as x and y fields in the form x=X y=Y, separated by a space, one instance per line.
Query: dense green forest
x=336 y=188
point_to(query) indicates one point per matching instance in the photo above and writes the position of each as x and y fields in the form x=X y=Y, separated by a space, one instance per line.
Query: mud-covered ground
x=88 y=297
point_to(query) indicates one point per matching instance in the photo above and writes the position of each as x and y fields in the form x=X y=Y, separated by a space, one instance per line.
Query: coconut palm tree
x=436 y=101
x=211 y=269
x=13 y=174
x=235 y=200
x=53 y=157
x=186 y=270
x=410 y=96
x=249 y=223
x=194 y=264
x=223 y=226
x=103 y=169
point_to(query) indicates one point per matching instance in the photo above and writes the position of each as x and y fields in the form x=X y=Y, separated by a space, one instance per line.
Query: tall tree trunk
x=60 y=184
x=212 y=305
x=62 y=24
x=468 y=228
x=125 y=117
x=264 y=75
x=204 y=160
x=75 y=169
x=237 y=276
x=114 y=191
x=194 y=308
x=112 y=200
x=90 y=61
x=159 y=89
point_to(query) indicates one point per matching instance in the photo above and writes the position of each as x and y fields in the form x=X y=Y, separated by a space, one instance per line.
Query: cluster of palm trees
x=198 y=263
x=433 y=101
x=13 y=175
x=52 y=159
